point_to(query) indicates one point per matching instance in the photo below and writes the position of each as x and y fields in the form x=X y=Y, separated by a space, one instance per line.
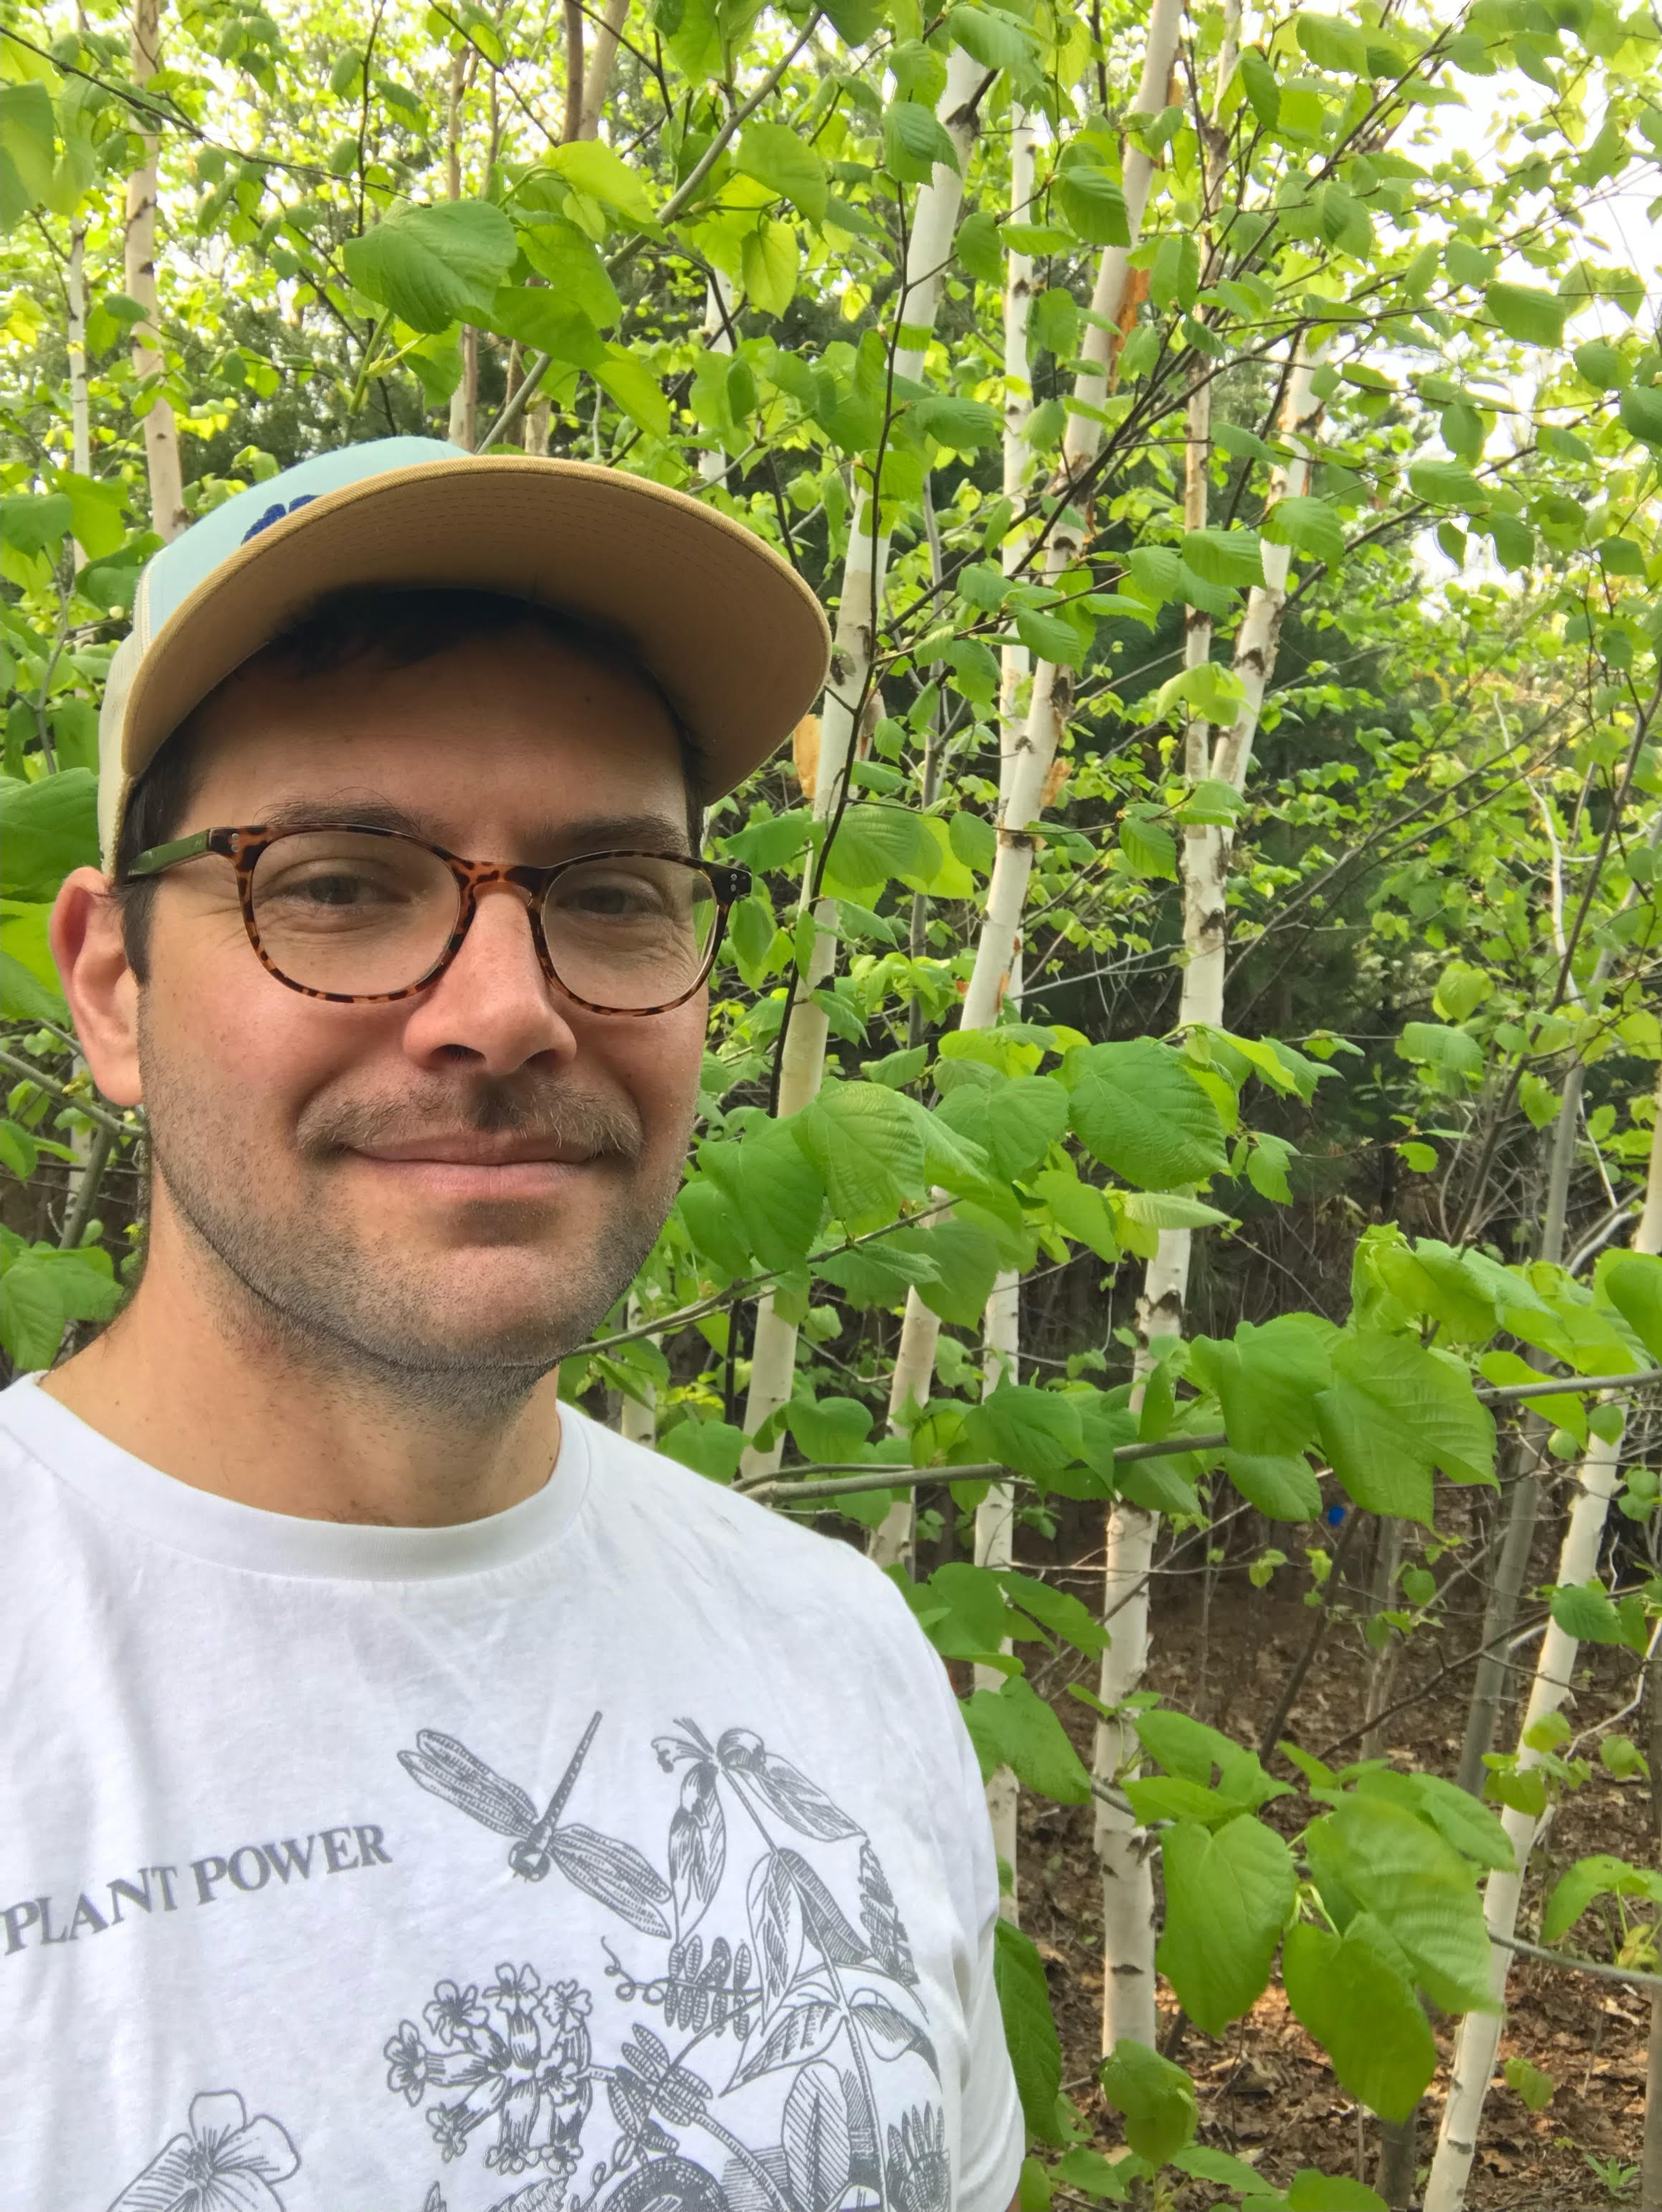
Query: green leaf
x=51 y=827
x=1224 y=556
x=1081 y=1211
x=1029 y=2028
x=1421 y=1891
x=1584 y=1611
x=1282 y=1489
x=829 y=1429
x=1332 y=43
x=866 y=1142
x=42 y=1291
x=1036 y=1432
x=1266 y=1379
x=769 y=260
x=915 y=141
x=774 y=1186
x=98 y=514
x=1259 y=83
x=978 y=248
x=1351 y=1995
x=1091 y=204
x=967 y=1256
x=780 y=158
x=543 y=323
x=1228 y=1893
x=1013 y=1727
x=35 y=522
x=1449 y=1051
x=28 y=144
x=1137 y=1108
x=875 y=845
x=996 y=41
x=963 y=425
x=1446 y=484
x=1395 y=1411
x=712 y=1448
x=1528 y=2083
x=1150 y=849
x=1058 y=1610
x=973 y=839
x=1632 y=1282
x=1307 y=524
x=1049 y=637
x=1532 y=317
x=1174 y=279
x=435 y=266
x=1600 y=1876
x=576 y=276
x=1155 y=2099
x=593 y=167
x=627 y=380
x=1602 y=364
x=1025 y=1117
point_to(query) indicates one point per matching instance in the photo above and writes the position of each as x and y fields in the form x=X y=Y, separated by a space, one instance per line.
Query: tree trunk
x=718 y=338
x=572 y=126
x=79 y=409
x=597 y=77
x=1387 y=1558
x=921 y=1330
x=162 y=461
x=1124 y=1851
x=995 y=1546
x=1650 y=2157
x=1479 y=2038
x=1500 y=1609
x=773 y=1355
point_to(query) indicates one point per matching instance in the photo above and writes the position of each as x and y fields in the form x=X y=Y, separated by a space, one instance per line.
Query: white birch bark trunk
x=995 y=1546
x=773 y=1352
x=161 y=462
x=638 y=1419
x=1052 y=692
x=1124 y=1851
x=718 y=338
x=920 y=1331
x=1478 y=2040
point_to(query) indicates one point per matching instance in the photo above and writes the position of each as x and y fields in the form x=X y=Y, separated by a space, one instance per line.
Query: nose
x=493 y=1008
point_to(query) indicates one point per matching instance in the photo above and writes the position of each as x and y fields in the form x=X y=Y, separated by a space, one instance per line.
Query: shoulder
x=711 y=1527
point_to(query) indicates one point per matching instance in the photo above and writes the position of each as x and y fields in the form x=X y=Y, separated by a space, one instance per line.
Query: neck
x=197 y=1381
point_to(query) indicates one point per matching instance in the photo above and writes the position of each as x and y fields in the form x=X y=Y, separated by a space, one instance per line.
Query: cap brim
x=736 y=640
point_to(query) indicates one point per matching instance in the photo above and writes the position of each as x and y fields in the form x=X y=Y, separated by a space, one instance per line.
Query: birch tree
x=1478 y=2040
x=168 y=515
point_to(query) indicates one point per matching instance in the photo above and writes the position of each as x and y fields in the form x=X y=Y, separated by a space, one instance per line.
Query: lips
x=476 y=1151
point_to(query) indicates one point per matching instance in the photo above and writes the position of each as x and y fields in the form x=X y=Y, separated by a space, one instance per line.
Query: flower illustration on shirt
x=518 y=2052
x=225 y=2163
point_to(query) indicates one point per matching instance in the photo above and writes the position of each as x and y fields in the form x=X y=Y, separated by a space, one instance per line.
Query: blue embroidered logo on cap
x=275 y=514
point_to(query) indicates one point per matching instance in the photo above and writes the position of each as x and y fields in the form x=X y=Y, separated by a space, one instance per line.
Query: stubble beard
x=364 y=1314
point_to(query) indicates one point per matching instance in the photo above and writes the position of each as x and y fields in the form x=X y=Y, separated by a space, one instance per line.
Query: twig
x=94 y=1113
x=1629 y=1974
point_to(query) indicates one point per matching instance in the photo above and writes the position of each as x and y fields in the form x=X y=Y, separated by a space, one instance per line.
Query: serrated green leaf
x=434 y=266
x=1135 y=1107
x=1352 y=1996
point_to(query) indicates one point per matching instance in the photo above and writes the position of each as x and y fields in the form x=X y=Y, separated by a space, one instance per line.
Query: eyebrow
x=591 y=833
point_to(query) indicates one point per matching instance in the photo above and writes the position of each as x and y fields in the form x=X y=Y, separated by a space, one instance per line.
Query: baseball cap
x=733 y=636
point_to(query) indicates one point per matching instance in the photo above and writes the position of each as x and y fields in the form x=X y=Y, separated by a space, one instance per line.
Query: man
x=418 y=1798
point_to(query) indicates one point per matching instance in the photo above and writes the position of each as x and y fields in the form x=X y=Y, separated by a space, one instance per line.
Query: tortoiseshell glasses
x=363 y=916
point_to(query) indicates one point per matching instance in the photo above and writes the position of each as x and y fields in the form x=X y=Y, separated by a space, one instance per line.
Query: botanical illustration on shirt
x=778 y=2059
x=223 y=2162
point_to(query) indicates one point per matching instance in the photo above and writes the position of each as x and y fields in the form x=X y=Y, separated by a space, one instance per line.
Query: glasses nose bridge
x=475 y=879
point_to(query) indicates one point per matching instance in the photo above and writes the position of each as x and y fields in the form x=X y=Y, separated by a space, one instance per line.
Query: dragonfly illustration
x=613 y=1873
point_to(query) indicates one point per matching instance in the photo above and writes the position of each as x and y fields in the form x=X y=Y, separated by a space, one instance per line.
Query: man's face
x=457 y=1185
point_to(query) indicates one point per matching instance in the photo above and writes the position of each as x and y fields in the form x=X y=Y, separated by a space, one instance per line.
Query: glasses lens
x=630 y=931
x=339 y=910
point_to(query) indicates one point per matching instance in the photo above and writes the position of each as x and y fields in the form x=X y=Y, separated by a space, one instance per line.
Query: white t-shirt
x=623 y=1850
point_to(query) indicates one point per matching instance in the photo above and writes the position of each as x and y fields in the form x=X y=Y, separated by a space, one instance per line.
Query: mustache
x=556 y=1114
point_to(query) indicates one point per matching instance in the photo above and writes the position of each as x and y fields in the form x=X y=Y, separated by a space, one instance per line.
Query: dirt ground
x=1266 y=2093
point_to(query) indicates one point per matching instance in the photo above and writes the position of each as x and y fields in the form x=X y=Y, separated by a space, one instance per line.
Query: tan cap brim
x=736 y=640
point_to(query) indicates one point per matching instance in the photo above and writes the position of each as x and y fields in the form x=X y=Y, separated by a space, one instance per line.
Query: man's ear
x=88 y=944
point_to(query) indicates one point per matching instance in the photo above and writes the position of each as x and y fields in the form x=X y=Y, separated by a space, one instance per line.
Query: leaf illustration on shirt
x=780 y=1930
x=818 y=2146
x=225 y=2162
x=783 y=1788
